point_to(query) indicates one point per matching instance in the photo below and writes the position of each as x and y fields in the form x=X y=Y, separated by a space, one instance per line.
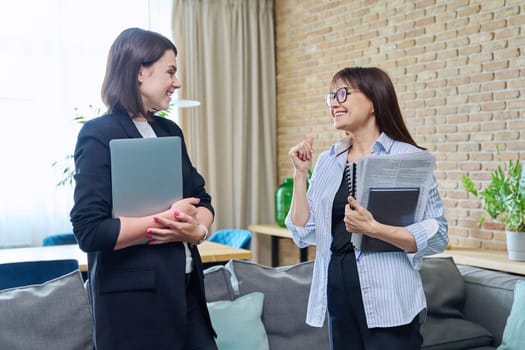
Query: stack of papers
x=394 y=188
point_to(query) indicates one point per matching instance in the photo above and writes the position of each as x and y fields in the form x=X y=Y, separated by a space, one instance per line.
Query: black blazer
x=137 y=293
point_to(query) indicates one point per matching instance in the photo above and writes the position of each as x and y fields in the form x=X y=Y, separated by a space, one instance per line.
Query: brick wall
x=458 y=68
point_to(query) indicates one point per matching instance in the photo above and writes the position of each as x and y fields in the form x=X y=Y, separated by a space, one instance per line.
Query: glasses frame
x=335 y=95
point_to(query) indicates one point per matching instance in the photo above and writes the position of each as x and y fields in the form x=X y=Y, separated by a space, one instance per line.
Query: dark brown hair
x=377 y=86
x=133 y=48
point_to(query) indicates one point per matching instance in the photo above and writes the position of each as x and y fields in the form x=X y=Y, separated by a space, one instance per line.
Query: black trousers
x=198 y=335
x=346 y=315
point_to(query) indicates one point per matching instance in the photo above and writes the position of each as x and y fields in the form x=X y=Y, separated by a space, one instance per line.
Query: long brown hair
x=377 y=86
x=133 y=48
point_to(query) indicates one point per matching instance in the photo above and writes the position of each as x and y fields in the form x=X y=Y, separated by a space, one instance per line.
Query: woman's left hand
x=357 y=218
x=182 y=228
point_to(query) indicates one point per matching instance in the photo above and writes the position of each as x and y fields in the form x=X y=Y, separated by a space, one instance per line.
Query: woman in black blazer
x=144 y=296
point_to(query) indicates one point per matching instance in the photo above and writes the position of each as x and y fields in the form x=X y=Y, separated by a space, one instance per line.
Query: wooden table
x=215 y=252
x=488 y=259
x=276 y=232
x=211 y=252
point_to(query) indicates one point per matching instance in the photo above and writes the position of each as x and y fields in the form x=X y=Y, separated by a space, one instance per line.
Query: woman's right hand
x=301 y=157
x=301 y=154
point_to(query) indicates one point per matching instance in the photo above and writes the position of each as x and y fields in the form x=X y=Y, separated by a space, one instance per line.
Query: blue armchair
x=233 y=238
x=59 y=239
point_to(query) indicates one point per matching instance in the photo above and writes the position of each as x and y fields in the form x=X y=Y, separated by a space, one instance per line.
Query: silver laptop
x=146 y=175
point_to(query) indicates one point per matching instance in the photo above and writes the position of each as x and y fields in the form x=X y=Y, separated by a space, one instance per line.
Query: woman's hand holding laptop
x=179 y=224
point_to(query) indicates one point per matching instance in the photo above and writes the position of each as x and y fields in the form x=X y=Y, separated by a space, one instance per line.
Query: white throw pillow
x=238 y=323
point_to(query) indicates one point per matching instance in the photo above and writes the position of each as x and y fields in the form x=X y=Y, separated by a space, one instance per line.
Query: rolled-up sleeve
x=316 y=196
x=93 y=224
x=302 y=236
x=432 y=233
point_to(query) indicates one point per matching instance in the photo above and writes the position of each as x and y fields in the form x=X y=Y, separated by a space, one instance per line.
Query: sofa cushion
x=445 y=326
x=444 y=287
x=217 y=284
x=513 y=335
x=238 y=323
x=453 y=333
x=483 y=285
x=285 y=292
x=53 y=315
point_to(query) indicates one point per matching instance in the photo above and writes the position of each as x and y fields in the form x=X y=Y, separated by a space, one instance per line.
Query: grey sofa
x=489 y=297
x=467 y=306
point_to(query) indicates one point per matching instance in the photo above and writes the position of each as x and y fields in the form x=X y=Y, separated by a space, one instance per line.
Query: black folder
x=390 y=206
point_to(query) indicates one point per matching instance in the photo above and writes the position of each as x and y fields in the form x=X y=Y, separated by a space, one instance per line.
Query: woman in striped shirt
x=374 y=300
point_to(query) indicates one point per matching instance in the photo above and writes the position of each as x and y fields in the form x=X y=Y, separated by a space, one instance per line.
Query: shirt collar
x=383 y=144
x=341 y=146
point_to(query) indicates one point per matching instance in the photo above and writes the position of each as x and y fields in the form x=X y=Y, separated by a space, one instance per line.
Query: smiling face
x=355 y=113
x=157 y=82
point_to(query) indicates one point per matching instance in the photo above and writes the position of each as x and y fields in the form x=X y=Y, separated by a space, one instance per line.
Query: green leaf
x=504 y=197
x=469 y=185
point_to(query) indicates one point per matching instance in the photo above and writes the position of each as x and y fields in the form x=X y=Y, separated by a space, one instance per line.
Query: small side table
x=276 y=232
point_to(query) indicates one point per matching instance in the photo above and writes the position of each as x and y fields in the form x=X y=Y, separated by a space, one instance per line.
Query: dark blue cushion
x=34 y=272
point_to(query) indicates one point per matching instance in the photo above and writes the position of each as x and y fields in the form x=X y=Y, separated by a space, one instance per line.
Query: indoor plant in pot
x=504 y=200
x=67 y=165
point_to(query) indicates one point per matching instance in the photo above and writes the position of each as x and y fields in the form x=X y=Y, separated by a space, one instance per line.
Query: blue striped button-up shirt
x=391 y=286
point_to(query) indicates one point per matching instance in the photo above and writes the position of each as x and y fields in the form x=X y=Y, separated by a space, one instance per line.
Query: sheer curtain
x=53 y=55
x=227 y=61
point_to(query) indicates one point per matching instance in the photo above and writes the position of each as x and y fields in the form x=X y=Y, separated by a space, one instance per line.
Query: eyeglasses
x=340 y=95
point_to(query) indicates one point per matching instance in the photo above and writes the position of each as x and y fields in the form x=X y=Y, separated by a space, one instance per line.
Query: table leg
x=275 y=251
x=304 y=254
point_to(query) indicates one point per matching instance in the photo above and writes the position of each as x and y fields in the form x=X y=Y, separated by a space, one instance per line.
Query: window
x=53 y=56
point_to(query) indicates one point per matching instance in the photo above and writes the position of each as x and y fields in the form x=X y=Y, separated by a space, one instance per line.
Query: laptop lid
x=146 y=175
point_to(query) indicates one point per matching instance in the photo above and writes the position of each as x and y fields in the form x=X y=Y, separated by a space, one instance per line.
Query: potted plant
x=504 y=200
x=67 y=166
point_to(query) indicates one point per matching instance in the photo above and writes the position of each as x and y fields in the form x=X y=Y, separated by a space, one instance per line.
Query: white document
x=413 y=169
